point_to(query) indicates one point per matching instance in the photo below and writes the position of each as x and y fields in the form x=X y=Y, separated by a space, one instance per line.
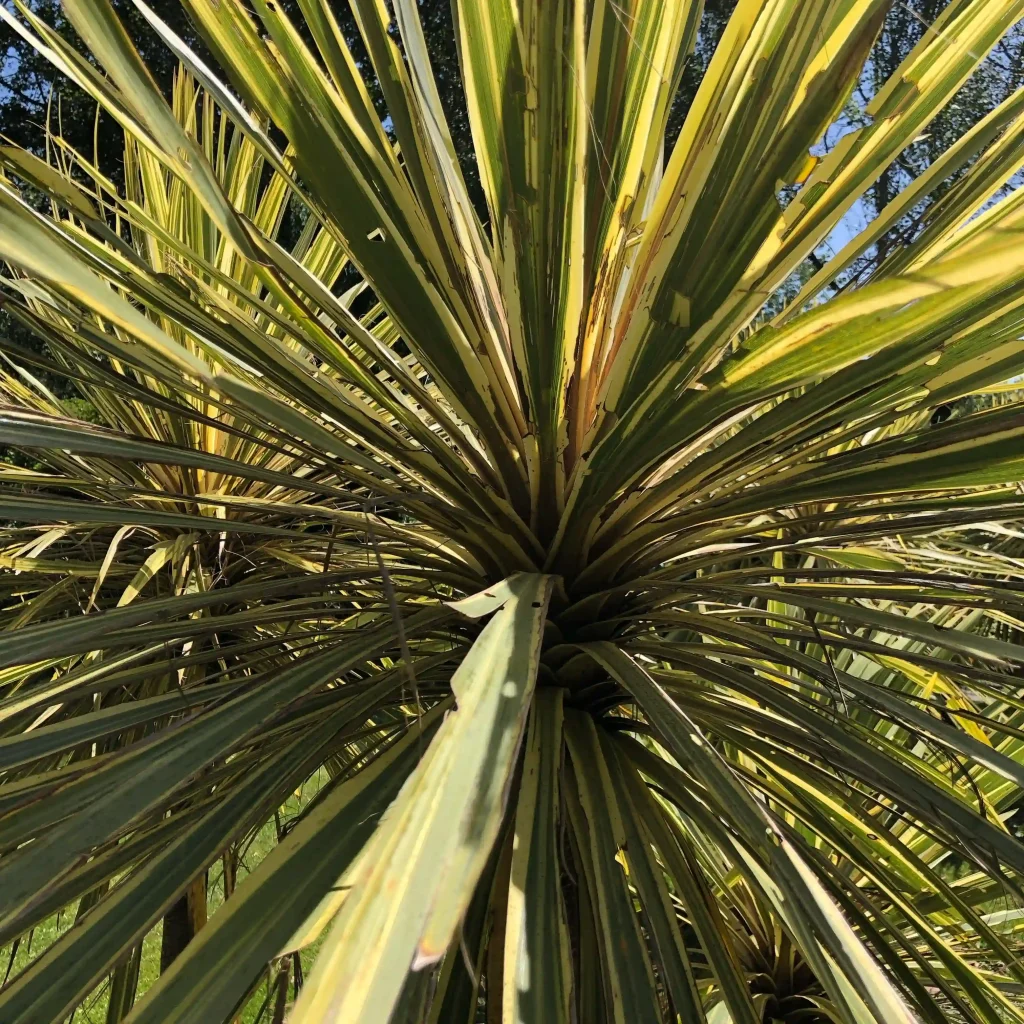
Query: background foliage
x=760 y=758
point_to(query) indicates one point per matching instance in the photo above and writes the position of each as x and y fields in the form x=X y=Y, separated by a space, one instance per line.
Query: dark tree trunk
x=178 y=932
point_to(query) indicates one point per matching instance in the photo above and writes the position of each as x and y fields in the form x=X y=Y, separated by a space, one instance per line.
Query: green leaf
x=434 y=840
x=537 y=973
x=218 y=967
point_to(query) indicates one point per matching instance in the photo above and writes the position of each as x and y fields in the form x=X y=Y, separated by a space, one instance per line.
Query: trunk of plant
x=281 y=994
x=182 y=921
x=178 y=933
x=124 y=983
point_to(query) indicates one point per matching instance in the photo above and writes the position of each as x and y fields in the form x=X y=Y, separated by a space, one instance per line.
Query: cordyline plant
x=654 y=658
